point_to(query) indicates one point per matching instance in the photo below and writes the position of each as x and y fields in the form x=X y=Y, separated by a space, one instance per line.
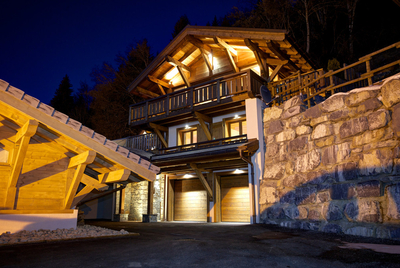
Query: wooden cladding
x=235 y=203
x=190 y=201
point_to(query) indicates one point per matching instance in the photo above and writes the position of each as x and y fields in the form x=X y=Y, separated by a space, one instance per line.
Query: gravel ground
x=58 y=234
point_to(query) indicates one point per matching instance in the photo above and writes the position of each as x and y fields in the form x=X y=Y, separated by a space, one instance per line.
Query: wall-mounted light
x=187 y=176
x=238 y=171
x=236 y=116
x=187 y=127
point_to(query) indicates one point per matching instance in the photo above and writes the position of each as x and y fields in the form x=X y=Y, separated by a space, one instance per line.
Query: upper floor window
x=236 y=126
x=187 y=135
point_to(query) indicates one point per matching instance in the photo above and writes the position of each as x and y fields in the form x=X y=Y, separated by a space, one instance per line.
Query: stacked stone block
x=336 y=166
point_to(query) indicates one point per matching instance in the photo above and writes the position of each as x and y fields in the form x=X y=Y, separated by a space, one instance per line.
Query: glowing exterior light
x=187 y=127
x=238 y=171
x=171 y=73
x=187 y=176
x=236 y=116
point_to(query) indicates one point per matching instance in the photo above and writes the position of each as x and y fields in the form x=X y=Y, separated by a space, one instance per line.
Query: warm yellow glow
x=174 y=71
x=188 y=176
x=256 y=69
x=238 y=171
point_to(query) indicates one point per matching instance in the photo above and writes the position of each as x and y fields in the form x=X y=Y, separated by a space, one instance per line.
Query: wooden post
x=22 y=140
x=122 y=201
x=170 y=201
x=368 y=65
x=150 y=194
x=217 y=198
x=210 y=216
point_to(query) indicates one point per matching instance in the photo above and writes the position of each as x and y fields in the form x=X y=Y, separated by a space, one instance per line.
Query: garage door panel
x=235 y=204
x=190 y=201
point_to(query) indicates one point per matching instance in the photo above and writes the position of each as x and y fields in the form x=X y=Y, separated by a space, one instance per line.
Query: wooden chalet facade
x=204 y=121
x=49 y=163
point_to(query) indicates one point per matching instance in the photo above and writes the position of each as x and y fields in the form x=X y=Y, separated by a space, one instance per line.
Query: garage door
x=235 y=204
x=190 y=201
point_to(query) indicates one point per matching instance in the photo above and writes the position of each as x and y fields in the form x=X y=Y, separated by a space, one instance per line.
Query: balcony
x=210 y=97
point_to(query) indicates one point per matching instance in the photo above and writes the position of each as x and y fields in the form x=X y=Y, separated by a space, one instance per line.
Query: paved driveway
x=199 y=245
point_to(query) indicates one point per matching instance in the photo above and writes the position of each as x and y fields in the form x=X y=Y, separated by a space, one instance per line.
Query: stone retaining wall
x=336 y=166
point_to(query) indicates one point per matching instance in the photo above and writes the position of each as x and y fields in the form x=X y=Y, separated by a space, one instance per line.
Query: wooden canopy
x=50 y=157
x=200 y=54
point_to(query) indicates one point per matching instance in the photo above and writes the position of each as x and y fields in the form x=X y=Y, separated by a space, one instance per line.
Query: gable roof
x=194 y=43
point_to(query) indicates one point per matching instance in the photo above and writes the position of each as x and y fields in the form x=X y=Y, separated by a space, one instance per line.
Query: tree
x=180 y=25
x=63 y=100
x=111 y=99
x=82 y=100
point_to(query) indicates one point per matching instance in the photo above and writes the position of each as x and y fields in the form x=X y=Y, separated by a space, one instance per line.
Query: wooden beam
x=80 y=161
x=228 y=50
x=282 y=55
x=183 y=75
x=170 y=199
x=205 y=50
x=198 y=43
x=147 y=92
x=202 y=120
x=157 y=129
x=260 y=57
x=217 y=199
x=23 y=138
x=115 y=176
x=224 y=45
x=275 y=72
x=82 y=194
x=87 y=180
x=158 y=81
x=83 y=158
x=177 y=63
x=202 y=180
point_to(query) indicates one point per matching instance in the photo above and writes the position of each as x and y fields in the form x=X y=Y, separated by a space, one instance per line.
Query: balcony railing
x=204 y=145
x=145 y=142
x=195 y=98
x=367 y=70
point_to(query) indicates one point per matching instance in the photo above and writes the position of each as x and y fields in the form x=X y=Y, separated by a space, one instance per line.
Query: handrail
x=333 y=82
x=203 y=144
x=193 y=97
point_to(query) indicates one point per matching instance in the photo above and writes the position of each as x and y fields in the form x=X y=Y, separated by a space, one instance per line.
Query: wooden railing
x=215 y=91
x=203 y=145
x=367 y=70
x=145 y=142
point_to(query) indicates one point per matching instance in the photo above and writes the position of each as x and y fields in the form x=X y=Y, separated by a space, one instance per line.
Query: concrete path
x=202 y=245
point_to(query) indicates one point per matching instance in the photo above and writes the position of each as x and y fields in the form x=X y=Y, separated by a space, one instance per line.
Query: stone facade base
x=149 y=217
x=120 y=217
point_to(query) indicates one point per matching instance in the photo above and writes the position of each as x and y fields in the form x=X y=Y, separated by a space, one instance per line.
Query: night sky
x=42 y=41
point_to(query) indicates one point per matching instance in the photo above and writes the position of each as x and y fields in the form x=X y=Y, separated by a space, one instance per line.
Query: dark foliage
x=63 y=100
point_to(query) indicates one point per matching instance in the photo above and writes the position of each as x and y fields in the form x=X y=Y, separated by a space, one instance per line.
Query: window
x=236 y=126
x=187 y=135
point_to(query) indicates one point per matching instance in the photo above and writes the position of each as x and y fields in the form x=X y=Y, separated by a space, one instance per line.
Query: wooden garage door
x=190 y=201
x=235 y=204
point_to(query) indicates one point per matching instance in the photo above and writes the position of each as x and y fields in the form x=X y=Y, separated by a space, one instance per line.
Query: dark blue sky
x=42 y=41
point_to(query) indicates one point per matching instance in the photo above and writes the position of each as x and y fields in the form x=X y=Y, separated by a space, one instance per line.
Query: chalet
x=203 y=120
x=49 y=163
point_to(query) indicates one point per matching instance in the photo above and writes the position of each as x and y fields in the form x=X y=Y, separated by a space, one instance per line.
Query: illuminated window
x=187 y=136
x=236 y=126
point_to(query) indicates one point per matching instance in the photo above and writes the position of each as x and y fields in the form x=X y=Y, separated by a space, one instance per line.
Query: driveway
x=177 y=244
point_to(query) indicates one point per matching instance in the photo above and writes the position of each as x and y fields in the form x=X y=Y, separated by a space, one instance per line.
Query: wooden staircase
x=320 y=84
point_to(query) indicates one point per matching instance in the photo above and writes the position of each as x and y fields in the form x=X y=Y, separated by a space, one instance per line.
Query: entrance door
x=235 y=203
x=190 y=201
